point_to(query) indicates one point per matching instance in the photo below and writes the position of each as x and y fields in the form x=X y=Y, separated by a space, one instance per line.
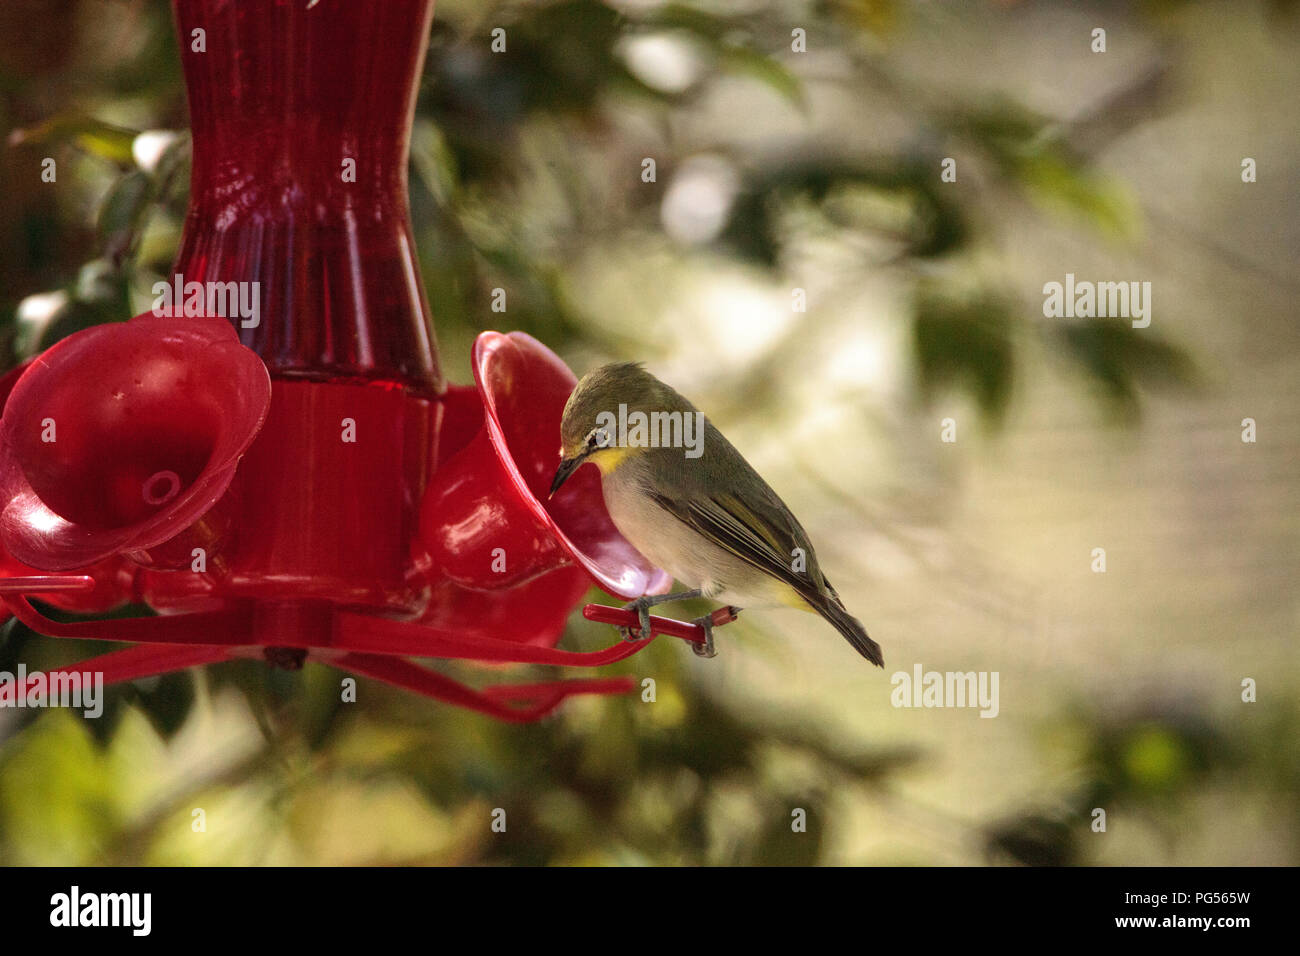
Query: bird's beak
x=567 y=467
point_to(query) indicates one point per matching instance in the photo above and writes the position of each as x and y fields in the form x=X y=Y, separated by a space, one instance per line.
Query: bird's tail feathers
x=830 y=607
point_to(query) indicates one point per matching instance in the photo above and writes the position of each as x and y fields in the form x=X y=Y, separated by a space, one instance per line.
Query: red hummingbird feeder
x=300 y=482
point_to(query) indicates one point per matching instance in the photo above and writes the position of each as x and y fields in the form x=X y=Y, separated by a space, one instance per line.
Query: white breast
x=693 y=560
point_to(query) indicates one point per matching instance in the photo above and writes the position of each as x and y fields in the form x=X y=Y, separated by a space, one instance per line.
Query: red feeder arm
x=296 y=480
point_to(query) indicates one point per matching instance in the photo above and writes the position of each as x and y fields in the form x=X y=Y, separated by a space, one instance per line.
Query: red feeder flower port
x=299 y=482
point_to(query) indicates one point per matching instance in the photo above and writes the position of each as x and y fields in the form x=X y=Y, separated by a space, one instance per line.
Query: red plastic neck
x=285 y=98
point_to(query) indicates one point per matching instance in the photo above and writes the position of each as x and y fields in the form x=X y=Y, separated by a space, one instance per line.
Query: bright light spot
x=663 y=61
x=42 y=519
x=864 y=360
x=147 y=149
x=742 y=319
x=698 y=200
x=42 y=307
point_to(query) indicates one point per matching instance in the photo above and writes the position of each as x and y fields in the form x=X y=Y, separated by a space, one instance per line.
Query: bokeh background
x=777 y=170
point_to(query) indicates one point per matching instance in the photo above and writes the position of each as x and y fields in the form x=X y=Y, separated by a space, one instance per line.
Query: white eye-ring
x=598 y=438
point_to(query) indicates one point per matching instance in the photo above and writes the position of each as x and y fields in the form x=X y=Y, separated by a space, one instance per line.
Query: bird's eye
x=598 y=438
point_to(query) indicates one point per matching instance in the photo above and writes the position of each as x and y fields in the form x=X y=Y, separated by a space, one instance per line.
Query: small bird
x=687 y=500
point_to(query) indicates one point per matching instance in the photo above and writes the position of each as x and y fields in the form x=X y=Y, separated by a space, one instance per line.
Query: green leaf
x=1120 y=359
x=1055 y=183
x=736 y=59
x=167 y=703
x=123 y=212
x=108 y=142
x=1029 y=151
x=965 y=343
x=433 y=161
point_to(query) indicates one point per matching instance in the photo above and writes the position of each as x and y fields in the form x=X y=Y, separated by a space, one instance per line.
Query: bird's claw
x=706 y=649
x=643 y=618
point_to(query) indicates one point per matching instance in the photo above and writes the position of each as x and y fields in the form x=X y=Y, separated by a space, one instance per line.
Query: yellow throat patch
x=607 y=459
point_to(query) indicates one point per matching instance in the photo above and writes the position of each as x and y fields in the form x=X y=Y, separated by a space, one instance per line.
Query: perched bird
x=688 y=501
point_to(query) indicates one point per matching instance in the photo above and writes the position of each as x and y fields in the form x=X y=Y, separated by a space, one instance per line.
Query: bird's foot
x=642 y=608
x=723 y=615
x=706 y=649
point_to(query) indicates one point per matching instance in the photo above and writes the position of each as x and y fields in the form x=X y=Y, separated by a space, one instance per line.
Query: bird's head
x=589 y=428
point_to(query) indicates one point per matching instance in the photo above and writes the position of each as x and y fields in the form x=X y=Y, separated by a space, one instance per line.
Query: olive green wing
x=767 y=535
x=764 y=534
